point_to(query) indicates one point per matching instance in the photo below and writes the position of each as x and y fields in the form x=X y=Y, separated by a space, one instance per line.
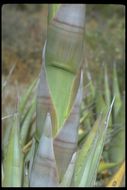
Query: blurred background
x=24 y=29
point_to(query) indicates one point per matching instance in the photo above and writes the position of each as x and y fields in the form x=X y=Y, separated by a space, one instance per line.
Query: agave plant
x=114 y=149
x=66 y=146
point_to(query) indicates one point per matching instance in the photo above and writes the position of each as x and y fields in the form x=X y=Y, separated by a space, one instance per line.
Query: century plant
x=66 y=146
x=59 y=92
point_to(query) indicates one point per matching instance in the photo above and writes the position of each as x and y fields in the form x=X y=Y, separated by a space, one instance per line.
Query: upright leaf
x=66 y=181
x=24 y=99
x=26 y=124
x=116 y=93
x=13 y=158
x=107 y=89
x=89 y=156
x=82 y=154
x=116 y=150
x=63 y=58
x=44 y=172
x=65 y=142
x=107 y=92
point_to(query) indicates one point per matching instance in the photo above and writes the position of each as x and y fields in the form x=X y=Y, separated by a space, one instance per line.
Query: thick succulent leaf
x=61 y=67
x=25 y=128
x=44 y=172
x=5 y=136
x=24 y=99
x=82 y=154
x=89 y=100
x=65 y=142
x=107 y=89
x=118 y=177
x=107 y=92
x=13 y=158
x=87 y=180
x=100 y=104
x=91 y=87
x=66 y=181
x=89 y=155
x=92 y=162
x=63 y=55
x=116 y=93
x=116 y=150
x=117 y=145
x=44 y=102
x=120 y=119
x=60 y=93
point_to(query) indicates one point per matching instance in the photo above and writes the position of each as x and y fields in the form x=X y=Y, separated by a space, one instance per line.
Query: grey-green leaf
x=13 y=158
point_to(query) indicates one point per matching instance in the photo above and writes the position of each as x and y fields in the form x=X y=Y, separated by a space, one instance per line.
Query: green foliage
x=13 y=158
x=82 y=169
x=78 y=167
x=99 y=148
